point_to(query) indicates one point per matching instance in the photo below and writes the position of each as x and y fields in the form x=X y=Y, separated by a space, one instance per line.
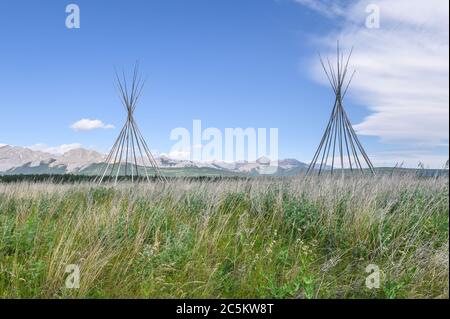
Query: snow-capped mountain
x=22 y=160
x=79 y=158
x=12 y=157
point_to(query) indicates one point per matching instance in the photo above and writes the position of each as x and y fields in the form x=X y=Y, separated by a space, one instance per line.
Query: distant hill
x=16 y=160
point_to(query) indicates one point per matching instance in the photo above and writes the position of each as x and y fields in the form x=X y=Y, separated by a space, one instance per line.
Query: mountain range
x=21 y=160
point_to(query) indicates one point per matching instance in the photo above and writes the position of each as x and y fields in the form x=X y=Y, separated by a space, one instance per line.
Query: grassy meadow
x=255 y=238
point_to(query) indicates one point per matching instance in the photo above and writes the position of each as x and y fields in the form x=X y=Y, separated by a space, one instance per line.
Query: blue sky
x=229 y=63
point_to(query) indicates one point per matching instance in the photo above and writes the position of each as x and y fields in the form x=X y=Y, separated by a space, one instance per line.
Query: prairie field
x=252 y=238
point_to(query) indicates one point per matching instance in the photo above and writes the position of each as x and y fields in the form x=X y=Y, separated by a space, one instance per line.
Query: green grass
x=290 y=238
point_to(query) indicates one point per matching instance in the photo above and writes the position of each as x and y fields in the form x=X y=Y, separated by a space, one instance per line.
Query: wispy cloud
x=409 y=159
x=402 y=68
x=58 y=150
x=88 y=125
x=329 y=8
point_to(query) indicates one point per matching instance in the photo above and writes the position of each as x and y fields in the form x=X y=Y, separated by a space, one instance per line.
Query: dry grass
x=291 y=238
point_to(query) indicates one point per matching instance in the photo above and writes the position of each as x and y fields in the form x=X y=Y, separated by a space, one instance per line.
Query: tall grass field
x=255 y=238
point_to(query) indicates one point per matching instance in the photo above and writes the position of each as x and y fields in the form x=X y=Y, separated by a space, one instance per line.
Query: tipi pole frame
x=339 y=138
x=130 y=137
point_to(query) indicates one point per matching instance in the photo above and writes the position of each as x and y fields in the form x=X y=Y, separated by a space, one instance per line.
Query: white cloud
x=179 y=154
x=183 y=153
x=58 y=150
x=402 y=69
x=87 y=125
x=409 y=159
x=328 y=8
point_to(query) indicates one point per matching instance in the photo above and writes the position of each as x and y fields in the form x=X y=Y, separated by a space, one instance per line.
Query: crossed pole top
x=337 y=77
x=130 y=99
